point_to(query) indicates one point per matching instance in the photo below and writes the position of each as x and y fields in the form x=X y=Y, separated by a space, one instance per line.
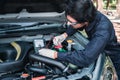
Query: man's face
x=71 y=21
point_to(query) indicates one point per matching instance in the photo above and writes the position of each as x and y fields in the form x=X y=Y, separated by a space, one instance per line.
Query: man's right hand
x=59 y=39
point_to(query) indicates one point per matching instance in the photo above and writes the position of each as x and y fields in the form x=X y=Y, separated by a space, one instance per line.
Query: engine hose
x=37 y=69
x=1 y=60
x=47 y=60
x=18 y=49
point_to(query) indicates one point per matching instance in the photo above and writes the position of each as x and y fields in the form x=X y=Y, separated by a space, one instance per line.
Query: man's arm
x=92 y=50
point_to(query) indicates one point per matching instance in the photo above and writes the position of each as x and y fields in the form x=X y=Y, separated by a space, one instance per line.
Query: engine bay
x=29 y=65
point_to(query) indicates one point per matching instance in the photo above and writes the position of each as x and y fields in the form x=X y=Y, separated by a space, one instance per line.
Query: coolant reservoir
x=69 y=47
x=70 y=43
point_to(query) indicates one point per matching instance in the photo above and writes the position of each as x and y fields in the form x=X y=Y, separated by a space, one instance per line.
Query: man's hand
x=59 y=39
x=48 y=53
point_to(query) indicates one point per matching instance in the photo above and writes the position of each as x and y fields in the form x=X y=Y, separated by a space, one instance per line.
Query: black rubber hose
x=46 y=60
x=38 y=70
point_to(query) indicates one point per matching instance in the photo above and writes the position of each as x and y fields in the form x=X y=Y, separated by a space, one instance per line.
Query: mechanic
x=82 y=14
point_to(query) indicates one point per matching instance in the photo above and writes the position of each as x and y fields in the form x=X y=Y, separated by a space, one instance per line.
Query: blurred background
x=111 y=8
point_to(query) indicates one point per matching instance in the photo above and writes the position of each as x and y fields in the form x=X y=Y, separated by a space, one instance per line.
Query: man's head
x=81 y=10
x=74 y=23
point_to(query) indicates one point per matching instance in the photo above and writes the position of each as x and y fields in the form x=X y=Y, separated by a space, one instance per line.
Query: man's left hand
x=48 y=53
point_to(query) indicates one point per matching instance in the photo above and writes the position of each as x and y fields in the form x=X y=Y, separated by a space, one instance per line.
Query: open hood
x=21 y=17
x=12 y=10
x=32 y=6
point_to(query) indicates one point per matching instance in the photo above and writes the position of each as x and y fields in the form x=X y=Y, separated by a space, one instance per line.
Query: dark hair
x=81 y=10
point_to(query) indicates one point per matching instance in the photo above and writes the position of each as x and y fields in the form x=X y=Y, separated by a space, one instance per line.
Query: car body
x=26 y=27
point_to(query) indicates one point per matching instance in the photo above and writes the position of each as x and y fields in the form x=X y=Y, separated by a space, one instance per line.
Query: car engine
x=29 y=65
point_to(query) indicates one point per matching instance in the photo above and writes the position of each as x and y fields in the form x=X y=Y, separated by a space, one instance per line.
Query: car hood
x=31 y=10
x=32 y=6
x=23 y=17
